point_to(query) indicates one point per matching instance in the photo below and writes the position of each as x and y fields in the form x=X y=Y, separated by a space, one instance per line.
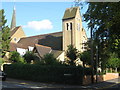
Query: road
x=11 y=84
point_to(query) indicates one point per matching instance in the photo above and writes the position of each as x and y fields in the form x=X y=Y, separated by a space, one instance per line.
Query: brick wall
x=107 y=76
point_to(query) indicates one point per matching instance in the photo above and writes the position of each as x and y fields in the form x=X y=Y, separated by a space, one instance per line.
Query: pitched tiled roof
x=14 y=46
x=70 y=13
x=42 y=50
x=52 y=41
x=14 y=30
x=56 y=53
x=44 y=40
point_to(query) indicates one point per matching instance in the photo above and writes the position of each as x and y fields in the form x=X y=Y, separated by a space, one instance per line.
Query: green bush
x=87 y=71
x=113 y=62
x=29 y=56
x=85 y=57
x=49 y=59
x=16 y=58
x=45 y=73
x=1 y=61
x=72 y=53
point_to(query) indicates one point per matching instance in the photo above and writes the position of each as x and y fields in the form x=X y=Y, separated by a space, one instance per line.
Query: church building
x=56 y=43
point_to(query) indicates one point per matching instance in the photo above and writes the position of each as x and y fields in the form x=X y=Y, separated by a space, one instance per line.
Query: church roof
x=70 y=13
x=52 y=40
x=42 y=50
x=56 y=53
x=14 y=30
x=14 y=46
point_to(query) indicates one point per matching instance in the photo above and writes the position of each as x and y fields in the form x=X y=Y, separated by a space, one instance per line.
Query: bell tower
x=72 y=28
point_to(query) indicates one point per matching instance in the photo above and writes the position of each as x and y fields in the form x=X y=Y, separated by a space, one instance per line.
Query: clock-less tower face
x=73 y=32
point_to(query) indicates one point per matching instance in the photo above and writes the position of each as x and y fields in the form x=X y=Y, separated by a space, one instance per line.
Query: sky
x=39 y=17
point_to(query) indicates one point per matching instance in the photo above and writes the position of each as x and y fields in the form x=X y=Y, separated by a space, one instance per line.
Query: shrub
x=72 y=54
x=113 y=61
x=1 y=61
x=49 y=59
x=39 y=62
x=29 y=56
x=45 y=73
x=87 y=71
x=15 y=57
x=85 y=57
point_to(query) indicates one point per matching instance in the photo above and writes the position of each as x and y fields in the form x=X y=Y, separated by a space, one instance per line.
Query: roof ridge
x=70 y=13
x=42 y=34
x=16 y=43
x=15 y=28
x=42 y=46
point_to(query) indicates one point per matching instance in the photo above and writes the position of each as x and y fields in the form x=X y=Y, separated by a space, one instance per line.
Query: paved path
x=109 y=84
x=14 y=83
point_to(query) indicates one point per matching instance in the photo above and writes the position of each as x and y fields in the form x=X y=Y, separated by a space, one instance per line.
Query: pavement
x=15 y=83
x=109 y=84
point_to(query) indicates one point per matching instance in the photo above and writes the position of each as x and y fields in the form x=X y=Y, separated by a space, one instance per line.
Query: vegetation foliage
x=104 y=20
x=72 y=54
x=49 y=59
x=46 y=73
x=86 y=57
x=113 y=61
x=16 y=58
x=5 y=31
x=29 y=56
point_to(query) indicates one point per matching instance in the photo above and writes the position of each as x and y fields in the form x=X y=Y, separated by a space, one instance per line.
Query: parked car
x=3 y=75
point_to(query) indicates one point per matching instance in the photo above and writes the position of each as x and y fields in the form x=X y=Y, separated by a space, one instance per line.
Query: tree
x=103 y=19
x=72 y=53
x=16 y=58
x=5 y=33
x=114 y=61
x=49 y=59
x=29 y=56
x=85 y=57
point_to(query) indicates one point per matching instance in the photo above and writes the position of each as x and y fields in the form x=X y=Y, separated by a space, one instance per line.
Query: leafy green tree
x=85 y=57
x=113 y=61
x=5 y=33
x=72 y=53
x=103 y=19
x=29 y=56
x=49 y=59
x=16 y=58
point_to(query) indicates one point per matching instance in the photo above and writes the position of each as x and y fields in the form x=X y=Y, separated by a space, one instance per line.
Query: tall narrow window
x=70 y=26
x=67 y=26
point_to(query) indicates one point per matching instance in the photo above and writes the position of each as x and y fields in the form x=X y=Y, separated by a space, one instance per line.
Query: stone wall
x=107 y=76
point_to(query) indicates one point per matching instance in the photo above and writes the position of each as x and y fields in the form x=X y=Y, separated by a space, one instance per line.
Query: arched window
x=67 y=25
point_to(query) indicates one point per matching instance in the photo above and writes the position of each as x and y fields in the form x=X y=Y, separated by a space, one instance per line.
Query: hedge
x=45 y=73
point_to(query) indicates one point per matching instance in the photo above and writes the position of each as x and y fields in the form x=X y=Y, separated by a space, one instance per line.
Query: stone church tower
x=13 y=23
x=16 y=33
x=73 y=32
